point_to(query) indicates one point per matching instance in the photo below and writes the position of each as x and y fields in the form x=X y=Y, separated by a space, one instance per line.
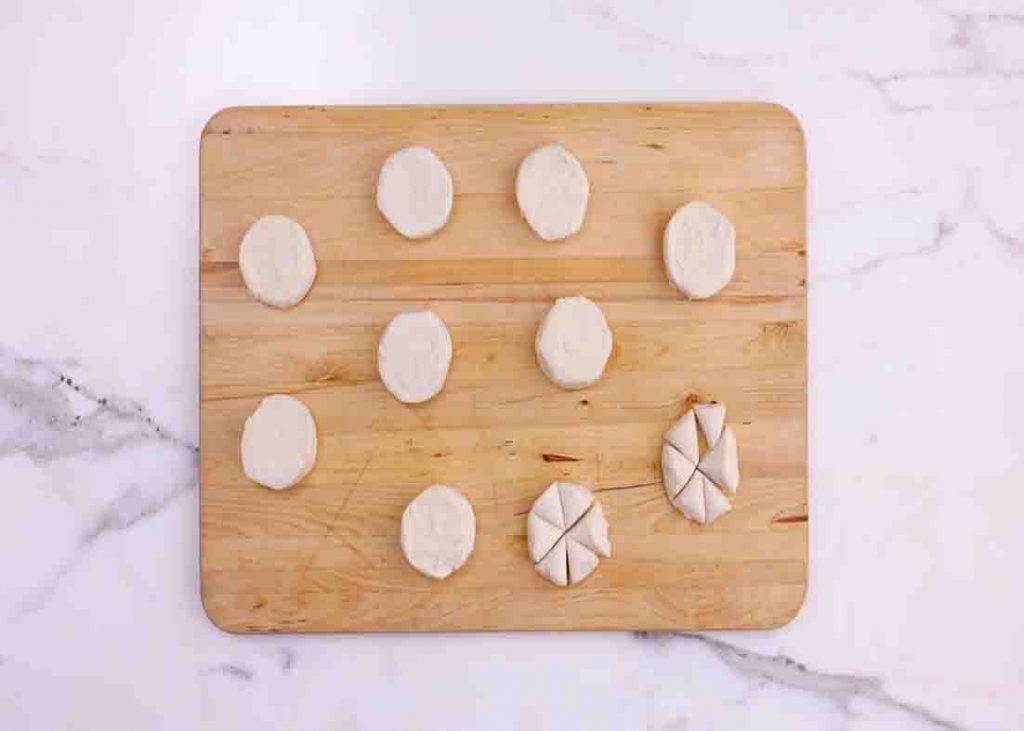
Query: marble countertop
x=914 y=115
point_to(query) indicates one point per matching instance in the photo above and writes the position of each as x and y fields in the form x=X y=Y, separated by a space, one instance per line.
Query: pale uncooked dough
x=701 y=500
x=276 y=261
x=699 y=249
x=721 y=462
x=413 y=356
x=582 y=561
x=438 y=531
x=566 y=533
x=683 y=436
x=591 y=531
x=554 y=566
x=696 y=482
x=414 y=192
x=573 y=343
x=552 y=191
x=279 y=442
x=676 y=469
x=712 y=420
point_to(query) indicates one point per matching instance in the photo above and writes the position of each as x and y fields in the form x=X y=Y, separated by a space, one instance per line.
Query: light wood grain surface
x=324 y=556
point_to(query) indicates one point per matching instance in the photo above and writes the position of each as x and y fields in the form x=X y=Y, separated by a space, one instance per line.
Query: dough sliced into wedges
x=715 y=503
x=582 y=561
x=549 y=507
x=592 y=531
x=575 y=501
x=721 y=463
x=554 y=567
x=711 y=418
x=541 y=536
x=690 y=501
x=683 y=436
x=676 y=470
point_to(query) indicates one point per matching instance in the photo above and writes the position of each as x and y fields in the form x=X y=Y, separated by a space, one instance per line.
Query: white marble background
x=914 y=114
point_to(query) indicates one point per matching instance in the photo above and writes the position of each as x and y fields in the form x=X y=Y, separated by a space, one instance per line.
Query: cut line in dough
x=574 y=541
x=697 y=488
x=711 y=418
x=683 y=436
x=676 y=469
x=721 y=462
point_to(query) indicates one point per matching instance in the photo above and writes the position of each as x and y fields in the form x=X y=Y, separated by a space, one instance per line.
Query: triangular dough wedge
x=549 y=507
x=691 y=500
x=683 y=436
x=676 y=470
x=582 y=561
x=541 y=536
x=592 y=532
x=711 y=418
x=575 y=501
x=554 y=566
x=721 y=463
x=715 y=503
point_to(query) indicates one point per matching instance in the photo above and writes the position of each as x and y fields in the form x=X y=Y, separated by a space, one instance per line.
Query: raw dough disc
x=552 y=191
x=573 y=343
x=279 y=442
x=414 y=192
x=276 y=261
x=438 y=531
x=699 y=249
x=413 y=356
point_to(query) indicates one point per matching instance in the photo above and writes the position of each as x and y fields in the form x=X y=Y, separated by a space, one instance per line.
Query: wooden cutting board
x=325 y=556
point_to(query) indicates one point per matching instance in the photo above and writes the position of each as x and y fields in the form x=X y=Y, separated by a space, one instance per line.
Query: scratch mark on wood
x=549 y=457
x=627 y=487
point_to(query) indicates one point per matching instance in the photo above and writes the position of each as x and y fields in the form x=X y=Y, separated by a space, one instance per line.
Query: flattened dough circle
x=552 y=191
x=414 y=192
x=699 y=249
x=573 y=343
x=438 y=531
x=413 y=356
x=279 y=442
x=276 y=261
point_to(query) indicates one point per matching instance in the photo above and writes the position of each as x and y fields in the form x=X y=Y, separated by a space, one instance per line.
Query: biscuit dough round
x=573 y=343
x=699 y=250
x=414 y=192
x=413 y=356
x=277 y=262
x=279 y=442
x=552 y=191
x=438 y=531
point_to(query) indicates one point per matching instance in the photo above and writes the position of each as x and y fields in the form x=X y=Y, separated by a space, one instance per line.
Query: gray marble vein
x=230 y=670
x=839 y=689
x=126 y=510
x=50 y=414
